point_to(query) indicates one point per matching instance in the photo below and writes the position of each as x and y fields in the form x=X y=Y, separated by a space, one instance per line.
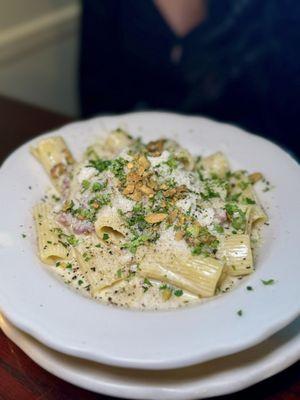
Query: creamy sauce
x=198 y=198
x=130 y=293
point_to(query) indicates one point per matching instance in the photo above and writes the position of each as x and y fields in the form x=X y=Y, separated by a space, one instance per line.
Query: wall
x=39 y=52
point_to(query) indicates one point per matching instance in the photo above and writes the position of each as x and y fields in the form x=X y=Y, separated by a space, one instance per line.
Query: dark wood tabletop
x=20 y=377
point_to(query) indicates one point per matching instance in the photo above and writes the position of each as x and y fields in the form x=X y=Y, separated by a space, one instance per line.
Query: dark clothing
x=241 y=65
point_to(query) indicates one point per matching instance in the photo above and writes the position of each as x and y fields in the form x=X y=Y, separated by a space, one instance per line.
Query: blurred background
x=232 y=60
x=39 y=42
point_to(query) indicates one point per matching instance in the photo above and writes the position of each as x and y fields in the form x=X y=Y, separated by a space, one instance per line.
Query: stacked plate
x=189 y=353
x=213 y=378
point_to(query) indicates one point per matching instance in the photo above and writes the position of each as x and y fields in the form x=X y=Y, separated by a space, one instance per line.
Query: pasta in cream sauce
x=146 y=225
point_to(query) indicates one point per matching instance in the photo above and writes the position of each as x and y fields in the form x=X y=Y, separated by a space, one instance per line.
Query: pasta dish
x=146 y=225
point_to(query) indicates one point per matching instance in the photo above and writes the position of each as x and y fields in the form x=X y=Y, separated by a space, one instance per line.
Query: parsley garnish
x=137 y=218
x=85 y=213
x=243 y=185
x=99 y=165
x=237 y=216
x=98 y=186
x=135 y=243
x=268 y=282
x=117 y=168
x=249 y=288
x=163 y=287
x=234 y=197
x=218 y=228
x=205 y=249
x=55 y=198
x=209 y=193
x=248 y=201
x=171 y=162
x=87 y=256
x=105 y=236
x=71 y=239
x=146 y=284
x=178 y=292
x=85 y=184
x=119 y=273
x=240 y=313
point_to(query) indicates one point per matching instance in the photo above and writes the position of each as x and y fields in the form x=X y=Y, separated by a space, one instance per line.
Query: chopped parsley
x=250 y=288
x=172 y=163
x=85 y=213
x=268 y=282
x=117 y=168
x=234 y=197
x=170 y=290
x=85 y=184
x=55 y=198
x=248 y=201
x=97 y=186
x=243 y=185
x=178 y=292
x=105 y=236
x=201 y=240
x=146 y=285
x=136 y=220
x=135 y=243
x=23 y=235
x=171 y=183
x=240 y=313
x=87 y=257
x=237 y=216
x=209 y=193
x=218 y=228
x=71 y=239
x=99 y=165
x=99 y=201
x=163 y=287
x=119 y=273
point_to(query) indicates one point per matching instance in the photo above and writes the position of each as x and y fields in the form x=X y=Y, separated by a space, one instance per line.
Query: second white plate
x=214 y=378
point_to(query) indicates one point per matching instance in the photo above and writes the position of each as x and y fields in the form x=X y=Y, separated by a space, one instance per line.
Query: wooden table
x=21 y=378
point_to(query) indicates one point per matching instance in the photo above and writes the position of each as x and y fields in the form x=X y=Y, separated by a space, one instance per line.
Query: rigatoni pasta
x=110 y=223
x=146 y=225
x=197 y=274
x=56 y=159
x=51 y=247
x=235 y=251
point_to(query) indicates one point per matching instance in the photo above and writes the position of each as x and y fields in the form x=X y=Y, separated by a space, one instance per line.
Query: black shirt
x=241 y=65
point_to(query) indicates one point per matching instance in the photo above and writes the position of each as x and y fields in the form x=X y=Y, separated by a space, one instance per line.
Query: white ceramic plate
x=214 y=378
x=55 y=315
